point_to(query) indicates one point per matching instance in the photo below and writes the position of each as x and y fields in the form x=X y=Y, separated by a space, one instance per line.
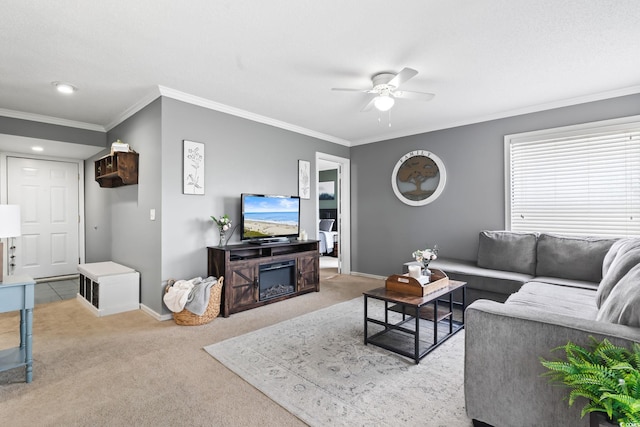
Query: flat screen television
x=268 y=218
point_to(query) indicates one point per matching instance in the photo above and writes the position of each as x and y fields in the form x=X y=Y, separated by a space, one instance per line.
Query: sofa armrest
x=503 y=346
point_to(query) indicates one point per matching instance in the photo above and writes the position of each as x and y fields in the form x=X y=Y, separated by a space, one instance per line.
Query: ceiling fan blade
x=402 y=76
x=368 y=106
x=416 y=96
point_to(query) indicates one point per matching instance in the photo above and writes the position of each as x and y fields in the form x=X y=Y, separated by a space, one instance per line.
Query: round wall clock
x=418 y=178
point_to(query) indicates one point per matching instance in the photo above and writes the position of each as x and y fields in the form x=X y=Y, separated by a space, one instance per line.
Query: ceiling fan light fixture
x=383 y=102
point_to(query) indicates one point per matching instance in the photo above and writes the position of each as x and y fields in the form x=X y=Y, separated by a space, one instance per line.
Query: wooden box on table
x=423 y=286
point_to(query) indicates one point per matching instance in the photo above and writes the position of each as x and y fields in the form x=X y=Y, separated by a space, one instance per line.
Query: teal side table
x=17 y=293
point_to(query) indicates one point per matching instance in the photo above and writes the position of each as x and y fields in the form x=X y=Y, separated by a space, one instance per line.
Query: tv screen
x=269 y=216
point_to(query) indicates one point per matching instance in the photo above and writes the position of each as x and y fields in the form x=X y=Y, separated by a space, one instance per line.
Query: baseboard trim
x=156 y=315
x=370 y=276
x=57 y=278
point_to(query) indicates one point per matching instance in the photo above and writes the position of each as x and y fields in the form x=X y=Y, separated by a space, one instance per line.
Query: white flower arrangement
x=223 y=223
x=425 y=256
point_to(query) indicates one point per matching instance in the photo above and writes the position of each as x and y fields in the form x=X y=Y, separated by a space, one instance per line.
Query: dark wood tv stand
x=243 y=264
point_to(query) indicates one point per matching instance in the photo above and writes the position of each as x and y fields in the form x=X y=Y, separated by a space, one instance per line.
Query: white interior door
x=47 y=192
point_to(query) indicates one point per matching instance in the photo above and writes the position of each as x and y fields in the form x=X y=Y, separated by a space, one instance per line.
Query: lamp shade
x=9 y=221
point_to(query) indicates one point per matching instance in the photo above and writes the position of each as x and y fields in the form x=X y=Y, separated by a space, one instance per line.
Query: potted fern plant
x=607 y=375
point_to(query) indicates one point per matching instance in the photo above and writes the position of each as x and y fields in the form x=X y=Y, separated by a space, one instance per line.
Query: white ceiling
x=276 y=61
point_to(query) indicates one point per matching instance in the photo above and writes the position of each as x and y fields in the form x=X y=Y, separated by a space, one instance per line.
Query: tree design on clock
x=418 y=178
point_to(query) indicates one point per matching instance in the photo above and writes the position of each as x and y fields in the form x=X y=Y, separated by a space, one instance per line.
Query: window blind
x=582 y=184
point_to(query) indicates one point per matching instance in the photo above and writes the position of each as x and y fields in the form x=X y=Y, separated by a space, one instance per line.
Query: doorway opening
x=333 y=214
x=50 y=191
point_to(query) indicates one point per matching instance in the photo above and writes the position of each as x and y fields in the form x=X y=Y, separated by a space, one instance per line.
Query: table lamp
x=9 y=227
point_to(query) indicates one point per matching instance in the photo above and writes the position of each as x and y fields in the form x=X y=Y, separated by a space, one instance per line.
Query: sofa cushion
x=508 y=251
x=496 y=281
x=564 y=300
x=623 y=303
x=619 y=268
x=568 y=257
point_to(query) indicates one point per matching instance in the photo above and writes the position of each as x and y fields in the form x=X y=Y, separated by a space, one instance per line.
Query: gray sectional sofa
x=555 y=289
x=507 y=260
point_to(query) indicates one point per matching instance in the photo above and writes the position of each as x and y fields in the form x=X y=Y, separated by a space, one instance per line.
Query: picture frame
x=418 y=178
x=193 y=165
x=327 y=190
x=304 y=179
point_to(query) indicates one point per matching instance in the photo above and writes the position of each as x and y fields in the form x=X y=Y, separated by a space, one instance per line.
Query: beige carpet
x=129 y=369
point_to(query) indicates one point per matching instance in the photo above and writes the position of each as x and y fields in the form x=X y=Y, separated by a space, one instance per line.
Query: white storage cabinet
x=108 y=288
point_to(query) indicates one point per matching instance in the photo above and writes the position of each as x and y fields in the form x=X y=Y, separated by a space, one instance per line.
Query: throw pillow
x=618 y=268
x=620 y=246
x=622 y=306
x=508 y=251
x=326 y=224
x=570 y=257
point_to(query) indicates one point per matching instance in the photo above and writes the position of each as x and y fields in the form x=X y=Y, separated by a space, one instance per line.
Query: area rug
x=317 y=367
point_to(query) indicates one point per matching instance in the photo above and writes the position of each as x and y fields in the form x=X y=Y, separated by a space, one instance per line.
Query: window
x=580 y=180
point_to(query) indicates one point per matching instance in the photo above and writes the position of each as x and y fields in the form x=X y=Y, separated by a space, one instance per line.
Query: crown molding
x=212 y=105
x=632 y=90
x=50 y=120
x=148 y=99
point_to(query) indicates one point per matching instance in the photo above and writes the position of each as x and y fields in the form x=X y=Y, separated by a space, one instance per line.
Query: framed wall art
x=304 y=179
x=327 y=190
x=193 y=167
x=418 y=178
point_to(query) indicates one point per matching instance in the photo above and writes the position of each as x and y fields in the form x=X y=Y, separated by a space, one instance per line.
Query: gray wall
x=242 y=156
x=97 y=210
x=118 y=218
x=386 y=231
x=31 y=129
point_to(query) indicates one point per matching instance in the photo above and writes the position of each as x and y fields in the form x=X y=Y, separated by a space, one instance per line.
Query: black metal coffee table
x=409 y=313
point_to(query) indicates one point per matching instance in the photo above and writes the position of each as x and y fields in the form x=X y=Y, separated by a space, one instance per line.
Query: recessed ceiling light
x=66 y=88
x=37 y=148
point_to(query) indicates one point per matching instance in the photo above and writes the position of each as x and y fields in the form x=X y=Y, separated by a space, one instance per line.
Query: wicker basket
x=187 y=318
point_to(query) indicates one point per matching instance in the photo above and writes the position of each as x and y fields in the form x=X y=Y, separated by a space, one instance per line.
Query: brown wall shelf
x=117 y=169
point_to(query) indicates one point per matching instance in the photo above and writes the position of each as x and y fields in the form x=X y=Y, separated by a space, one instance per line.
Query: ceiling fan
x=386 y=87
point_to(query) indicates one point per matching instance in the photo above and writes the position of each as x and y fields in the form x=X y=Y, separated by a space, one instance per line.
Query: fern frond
x=575 y=353
x=558 y=366
x=621 y=366
x=626 y=401
x=634 y=389
x=635 y=357
x=589 y=379
x=575 y=393
x=591 y=407
x=608 y=407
